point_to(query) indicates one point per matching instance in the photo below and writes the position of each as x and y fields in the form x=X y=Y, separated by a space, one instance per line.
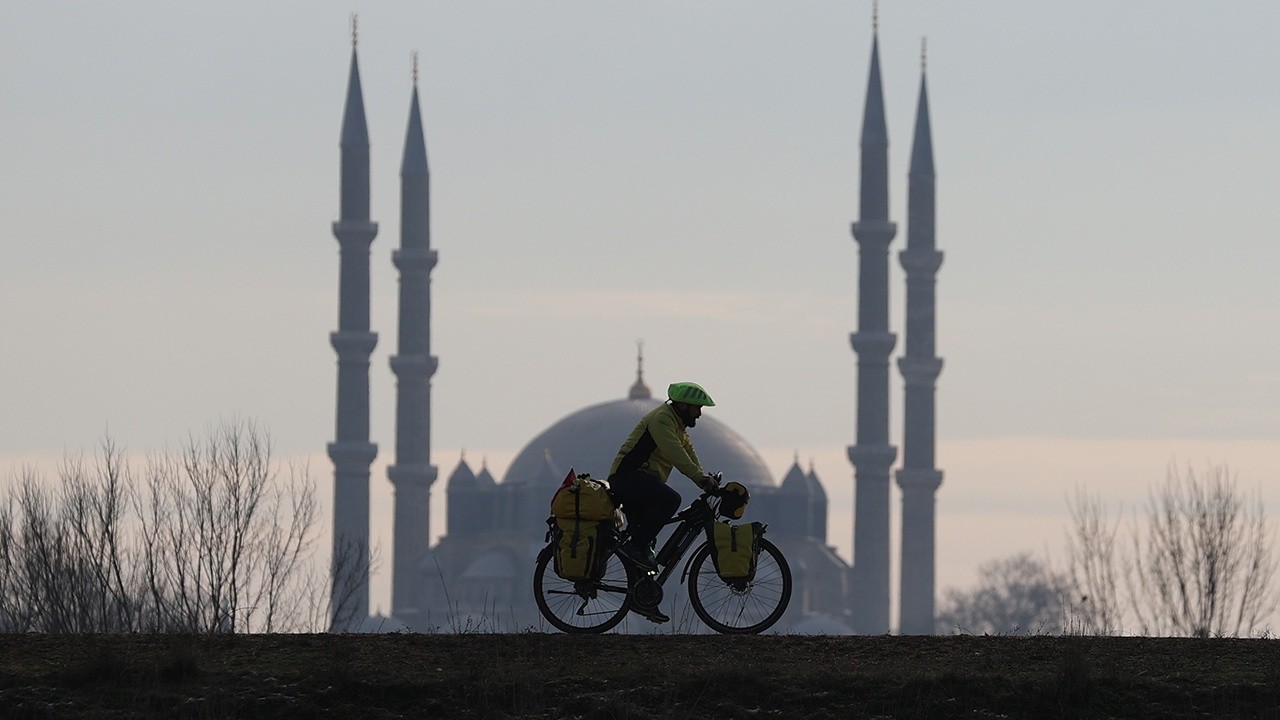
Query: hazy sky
x=680 y=172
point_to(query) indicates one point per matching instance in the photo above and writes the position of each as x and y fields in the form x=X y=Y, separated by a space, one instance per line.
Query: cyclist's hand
x=709 y=482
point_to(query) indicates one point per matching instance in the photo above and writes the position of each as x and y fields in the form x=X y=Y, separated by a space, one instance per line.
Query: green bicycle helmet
x=690 y=393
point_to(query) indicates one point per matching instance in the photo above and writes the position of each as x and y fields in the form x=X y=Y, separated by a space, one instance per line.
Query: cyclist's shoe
x=653 y=615
x=644 y=557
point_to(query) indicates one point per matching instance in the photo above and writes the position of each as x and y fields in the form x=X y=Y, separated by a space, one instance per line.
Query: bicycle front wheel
x=740 y=607
x=583 y=606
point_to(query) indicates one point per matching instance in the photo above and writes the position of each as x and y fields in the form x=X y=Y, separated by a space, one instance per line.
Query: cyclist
x=639 y=473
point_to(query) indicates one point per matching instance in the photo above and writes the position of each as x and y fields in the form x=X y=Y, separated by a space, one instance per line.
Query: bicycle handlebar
x=717 y=490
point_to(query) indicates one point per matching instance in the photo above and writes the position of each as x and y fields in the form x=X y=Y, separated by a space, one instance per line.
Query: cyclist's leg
x=647 y=502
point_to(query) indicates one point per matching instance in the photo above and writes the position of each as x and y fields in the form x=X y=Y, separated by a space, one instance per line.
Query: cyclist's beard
x=688 y=418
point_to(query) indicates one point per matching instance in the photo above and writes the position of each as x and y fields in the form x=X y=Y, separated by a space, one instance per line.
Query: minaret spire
x=872 y=455
x=351 y=452
x=918 y=477
x=413 y=364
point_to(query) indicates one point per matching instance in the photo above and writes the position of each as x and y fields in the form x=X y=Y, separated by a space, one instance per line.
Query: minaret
x=351 y=452
x=872 y=456
x=413 y=365
x=918 y=477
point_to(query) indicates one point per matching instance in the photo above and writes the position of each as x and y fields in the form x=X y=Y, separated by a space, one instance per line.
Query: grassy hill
x=634 y=677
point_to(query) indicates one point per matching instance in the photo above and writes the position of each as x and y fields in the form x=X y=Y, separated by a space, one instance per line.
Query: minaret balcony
x=352 y=455
x=919 y=372
x=920 y=262
x=919 y=479
x=414 y=365
x=872 y=458
x=355 y=232
x=874 y=234
x=415 y=259
x=872 y=344
x=411 y=475
x=353 y=345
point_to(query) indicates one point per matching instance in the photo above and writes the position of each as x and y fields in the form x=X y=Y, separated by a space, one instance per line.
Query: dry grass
x=634 y=677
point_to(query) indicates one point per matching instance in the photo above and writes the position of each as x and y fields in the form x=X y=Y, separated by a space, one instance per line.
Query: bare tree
x=1201 y=563
x=94 y=503
x=210 y=540
x=224 y=536
x=1018 y=595
x=352 y=563
x=283 y=582
x=1094 y=605
x=1206 y=565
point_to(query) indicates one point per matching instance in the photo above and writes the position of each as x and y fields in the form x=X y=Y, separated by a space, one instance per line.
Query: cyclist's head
x=688 y=399
x=689 y=394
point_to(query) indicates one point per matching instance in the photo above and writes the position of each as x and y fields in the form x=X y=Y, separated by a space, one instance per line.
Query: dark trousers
x=647 y=502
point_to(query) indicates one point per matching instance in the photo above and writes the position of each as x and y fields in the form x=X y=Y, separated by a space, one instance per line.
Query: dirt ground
x=632 y=677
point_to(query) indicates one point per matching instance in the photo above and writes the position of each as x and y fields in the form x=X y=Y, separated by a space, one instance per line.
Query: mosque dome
x=795 y=482
x=484 y=478
x=462 y=478
x=588 y=440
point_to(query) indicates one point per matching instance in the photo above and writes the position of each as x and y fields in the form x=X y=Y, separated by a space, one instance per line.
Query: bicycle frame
x=690 y=526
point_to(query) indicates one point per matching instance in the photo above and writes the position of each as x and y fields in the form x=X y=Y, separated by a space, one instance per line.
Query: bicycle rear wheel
x=743 y=608
x=583 y=606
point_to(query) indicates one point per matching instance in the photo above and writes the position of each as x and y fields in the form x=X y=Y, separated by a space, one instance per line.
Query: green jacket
x=658 y=443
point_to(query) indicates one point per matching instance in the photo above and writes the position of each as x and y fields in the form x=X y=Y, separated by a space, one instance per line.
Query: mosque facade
x=478 y=576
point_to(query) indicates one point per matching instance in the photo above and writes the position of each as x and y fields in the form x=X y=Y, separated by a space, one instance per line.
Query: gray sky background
x=685 y=173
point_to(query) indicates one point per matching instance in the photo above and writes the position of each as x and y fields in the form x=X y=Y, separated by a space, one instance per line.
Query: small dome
x=815 y=485
x=461 y=478
x=795 y=482
x=484 y=478
x=639 y=391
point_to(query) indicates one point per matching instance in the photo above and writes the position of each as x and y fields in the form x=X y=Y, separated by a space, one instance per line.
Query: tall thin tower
x=872 y=456
x=918 y=477
x=413 y=365
x=351 y=452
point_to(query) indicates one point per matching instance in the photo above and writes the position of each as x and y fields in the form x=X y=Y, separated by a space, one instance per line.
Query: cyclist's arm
x=688 y=446
x=673 y=442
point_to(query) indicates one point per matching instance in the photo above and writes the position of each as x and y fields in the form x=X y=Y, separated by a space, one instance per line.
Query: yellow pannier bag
x=577 y=548
x=734 y=550
x=582 y=497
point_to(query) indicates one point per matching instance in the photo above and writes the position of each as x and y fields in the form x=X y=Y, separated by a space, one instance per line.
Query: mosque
x=479 y=574
x=495 y=530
